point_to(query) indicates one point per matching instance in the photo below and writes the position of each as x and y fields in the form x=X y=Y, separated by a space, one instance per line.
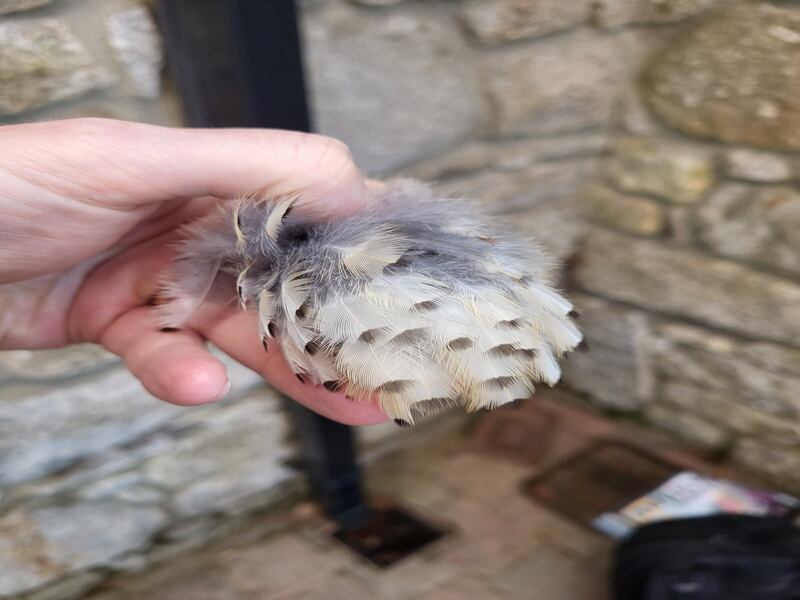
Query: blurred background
x=652 y=145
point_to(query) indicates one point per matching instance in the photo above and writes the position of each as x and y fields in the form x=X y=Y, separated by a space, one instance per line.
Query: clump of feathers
x=417 y=301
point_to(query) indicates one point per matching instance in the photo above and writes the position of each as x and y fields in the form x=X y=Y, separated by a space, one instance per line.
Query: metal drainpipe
x=238 y=63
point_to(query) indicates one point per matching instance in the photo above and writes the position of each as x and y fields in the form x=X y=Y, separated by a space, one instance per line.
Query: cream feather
x=295 y=290
x=383 y=247
x=274 y=223
x=266 y=311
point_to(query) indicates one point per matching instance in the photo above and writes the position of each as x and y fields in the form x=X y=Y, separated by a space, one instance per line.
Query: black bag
x=722 y=557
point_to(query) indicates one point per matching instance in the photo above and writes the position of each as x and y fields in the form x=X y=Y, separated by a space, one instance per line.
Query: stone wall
x=68 y=58
x=669 y=125
x=691 y=269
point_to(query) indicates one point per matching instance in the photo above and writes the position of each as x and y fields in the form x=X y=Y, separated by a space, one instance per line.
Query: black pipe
x=238 y=63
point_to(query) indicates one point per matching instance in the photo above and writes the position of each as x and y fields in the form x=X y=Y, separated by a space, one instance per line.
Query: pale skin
x=89 y=209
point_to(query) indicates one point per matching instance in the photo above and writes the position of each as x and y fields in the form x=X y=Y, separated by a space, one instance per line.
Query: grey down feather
x=418 y=301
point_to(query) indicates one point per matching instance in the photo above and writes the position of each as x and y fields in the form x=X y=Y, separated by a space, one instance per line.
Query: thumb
x=119 y=164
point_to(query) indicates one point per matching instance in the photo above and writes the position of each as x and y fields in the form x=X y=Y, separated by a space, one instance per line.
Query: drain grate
x=603 y=478
x=388 y=535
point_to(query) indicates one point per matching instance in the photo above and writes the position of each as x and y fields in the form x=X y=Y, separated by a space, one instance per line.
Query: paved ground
x=502 y=545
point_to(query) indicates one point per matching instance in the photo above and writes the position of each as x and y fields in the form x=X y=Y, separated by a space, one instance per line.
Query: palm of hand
x=84 y=253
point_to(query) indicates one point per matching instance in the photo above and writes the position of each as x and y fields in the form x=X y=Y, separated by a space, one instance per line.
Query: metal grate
x=389 y=535
x=603 y=478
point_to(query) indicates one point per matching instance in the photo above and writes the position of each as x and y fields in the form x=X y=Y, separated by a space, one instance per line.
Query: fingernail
x=224 y=392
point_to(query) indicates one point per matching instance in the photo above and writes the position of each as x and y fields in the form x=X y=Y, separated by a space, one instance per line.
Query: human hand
x=88 y=212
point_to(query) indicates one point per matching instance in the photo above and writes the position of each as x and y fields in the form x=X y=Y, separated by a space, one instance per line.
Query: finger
x=172 y=365
x=116 y=287
x=125 y=165
x=120 y=287
x=235 y=333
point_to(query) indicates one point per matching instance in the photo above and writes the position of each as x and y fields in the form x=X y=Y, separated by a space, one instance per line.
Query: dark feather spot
x=428 y=253
x=574 y=314
x=332 y=386
x=169 y=329
x=397 y=267
x=583 y=346
x=501 y=382
x=402 y=423
x=489 y=240
x=369 y=336
x=272 y=329
x=302 y=377
x=462 y=343
x=404 y=261
x=395 y=387
x=312 y=348
x=503 y=350
x=513 y=323
x=426 y=305
x=410 y=336
x=526 y=352
x=301 y=312
x=265 y=344
x=295 y=235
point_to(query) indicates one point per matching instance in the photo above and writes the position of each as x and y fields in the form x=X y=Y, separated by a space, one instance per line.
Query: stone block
x=511 y=191
x=688 y=428
x=618 y=13
x=42 y=544
x=41 y=62
x=256 y=483
x=227 y=457
x=753 y=223
x=77 y=430
x=679 y=173
x=625 y=212
x=761 y=377
x=48 y=432
x=776 y=463
x=133 y=36
x=757 y=166
x=393 y=85
x=615 y=371
x=557 y=227
x=735 y=78
x=508 y=155
x=726 y=409
x=53 y=365
x=127 y=487
x=69 y=588
x=494 y=22
x=12 y=6
x=89 y=535
x=565 y=83
x=631 y=114
x=678 y=281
